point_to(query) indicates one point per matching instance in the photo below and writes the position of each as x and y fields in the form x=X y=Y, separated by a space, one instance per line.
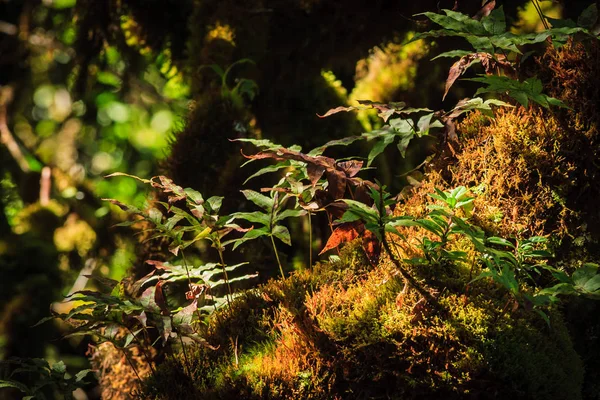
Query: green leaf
x=282 y=233
x=500 y=241
x=129 y=176
x=254 y=217
x=562 y=23
x=495 y=23
x=379 y=147
x=452 y=54
x=14 y=384
x=268 y=170
x=194 y=195
x=289 y=213
x=366 y=213
x=81 y=375
x=215 y=203
x=558 y=289
x=338 y=142
x=425 y=124
x=250 y=235
x=588 y=17
x=592 y=285
x=585 y=273
x=264 y=202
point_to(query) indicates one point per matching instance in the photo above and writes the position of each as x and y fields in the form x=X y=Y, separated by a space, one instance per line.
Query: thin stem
x=538 y=8
x=273 y=209
x=143 y=350
x=413 y=282
x=310 y=243
x=277 y=256
x=132 y=366
x=6 y=136
x=230 y=297
x=187 y=361
x=187 y=270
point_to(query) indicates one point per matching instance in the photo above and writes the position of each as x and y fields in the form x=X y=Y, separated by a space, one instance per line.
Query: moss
x=345 y=331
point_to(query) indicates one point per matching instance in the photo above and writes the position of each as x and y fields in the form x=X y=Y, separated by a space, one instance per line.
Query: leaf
x=123 y=206
x=289 y=214
x=168 y=186
x=425 y=124
x=500 y=241
x=250 y=235
x=588 y=17
x=343 y=233
x=129 y=176
x=185 y=315
x=452 y=54
x=584 y=274
x=194 y=195
x=253 y=217
x=282 y=233
x=264 y=202
x=485 y=10
x=159 y=298
x=340 y=109
x=487 y=60
x=316 y=167
x=366 y=213
x=269 y=169
x=495 y=21
x=350 y=168
x=81 y=375
x=372 y=246
x=338 y=142
x=14 y=384
x=379 y=147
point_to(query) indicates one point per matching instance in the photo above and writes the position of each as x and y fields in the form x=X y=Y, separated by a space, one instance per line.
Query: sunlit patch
x=221 y=31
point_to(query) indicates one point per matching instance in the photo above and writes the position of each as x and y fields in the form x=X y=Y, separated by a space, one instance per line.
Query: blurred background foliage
x=92 y=87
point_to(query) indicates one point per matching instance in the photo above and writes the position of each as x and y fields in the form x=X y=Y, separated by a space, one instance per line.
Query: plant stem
x=187 y=270
x=132 y=366
x=277 y=256
x=143 y=350
x=273 y=210
x=230 y=297
x=187 y=361
x=413 y=282
x=310 y=240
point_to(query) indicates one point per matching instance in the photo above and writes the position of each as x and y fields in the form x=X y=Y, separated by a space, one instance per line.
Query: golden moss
x=343 y=331
x=119 y=370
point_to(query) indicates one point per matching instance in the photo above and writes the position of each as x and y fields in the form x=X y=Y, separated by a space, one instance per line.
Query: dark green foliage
x=43 y=379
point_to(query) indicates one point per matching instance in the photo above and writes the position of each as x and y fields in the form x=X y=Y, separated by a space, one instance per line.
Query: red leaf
x=337 y=110
x=372 y=247
x=343 y=233
x=485 y=11
x=350 y=168
x=159 y=298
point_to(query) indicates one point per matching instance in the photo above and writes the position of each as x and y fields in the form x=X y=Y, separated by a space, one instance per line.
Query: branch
x=6 y=137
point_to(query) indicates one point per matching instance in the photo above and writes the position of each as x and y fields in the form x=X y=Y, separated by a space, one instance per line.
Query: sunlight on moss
x=529 y=19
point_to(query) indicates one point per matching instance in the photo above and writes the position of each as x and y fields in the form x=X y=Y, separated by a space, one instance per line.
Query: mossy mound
x=532 y=170
x=345 y=331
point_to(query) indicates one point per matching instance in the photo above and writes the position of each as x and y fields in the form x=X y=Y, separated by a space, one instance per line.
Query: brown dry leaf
x=485 y=11
x=345 y=232
x=337 y=177
x=490 y=64
x=159 y=298
x=372 y=247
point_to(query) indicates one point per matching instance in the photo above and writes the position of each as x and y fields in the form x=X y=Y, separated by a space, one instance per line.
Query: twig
x=6 y=137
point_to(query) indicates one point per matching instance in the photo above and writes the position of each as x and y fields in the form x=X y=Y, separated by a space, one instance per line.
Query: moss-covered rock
x=344 y=331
